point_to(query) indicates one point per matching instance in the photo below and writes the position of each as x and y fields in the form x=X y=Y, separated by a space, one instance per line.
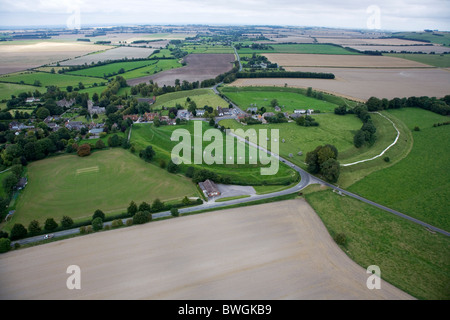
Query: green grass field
x=409 y=257
x=290 y=100
x=207 y=49
x=418 y=185
x=47 y=79
x=159 y=66
x=202 y=97
x=333 y=129
x=300 y=48
x=107 y=180
x=443 y=39
x=110 y=68
x=436 y=60
x=8 y=89
x=245 y=174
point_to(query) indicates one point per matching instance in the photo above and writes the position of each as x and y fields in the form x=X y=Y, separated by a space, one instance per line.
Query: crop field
x=207 y=49
x=424 y=49
x=107 y=180
x=436 y=60
x=362 y=61
x=272 y=251
x=442 y=38
x=100 y=71
x=301 y=49
x=410 y=257
x=347 y=41
x=47 y=79
x=199 y=67
x=153 y=68
x=363 y=83
x=24 y=55
x=247 y=174
x=419 y=185
x=112 y=54
x=287 y=101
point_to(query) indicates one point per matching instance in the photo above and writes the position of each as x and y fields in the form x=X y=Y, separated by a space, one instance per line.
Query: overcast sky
x=360 y=14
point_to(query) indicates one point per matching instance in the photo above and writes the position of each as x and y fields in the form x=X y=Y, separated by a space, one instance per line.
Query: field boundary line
x=384 y=151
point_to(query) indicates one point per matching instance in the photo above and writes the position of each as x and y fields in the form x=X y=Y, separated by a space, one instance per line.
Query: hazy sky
x=360 y=14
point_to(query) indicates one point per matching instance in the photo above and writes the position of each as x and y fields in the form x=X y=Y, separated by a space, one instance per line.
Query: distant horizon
x=130 y=25
x=375 y=15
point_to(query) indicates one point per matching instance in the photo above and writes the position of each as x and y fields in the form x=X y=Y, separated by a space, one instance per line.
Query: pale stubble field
x=273 y=251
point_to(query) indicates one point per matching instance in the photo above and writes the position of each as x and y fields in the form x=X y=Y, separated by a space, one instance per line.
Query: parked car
x=49 y=236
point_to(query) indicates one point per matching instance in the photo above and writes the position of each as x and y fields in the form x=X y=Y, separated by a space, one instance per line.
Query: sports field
x=201 y=97
x=107 y=180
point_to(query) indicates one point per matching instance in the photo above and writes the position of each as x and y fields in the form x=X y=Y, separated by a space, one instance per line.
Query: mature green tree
x=5 y=245
x=157 y=205
x=359 y=139
x=66 y=222
x=97 y=224
x=100 y=144
x=274 y=103
x=34 y=228
x=18 y=231
x=42 y=113
x=330 y=170
x=9 y=183
x=147 y=154
x=50 y=224
x=142 y=217
x=84 y=150
x=144 y=206
x=132 y=209
x=172 y=167
x=98 y=214
x=174 y=212
x=186 y=201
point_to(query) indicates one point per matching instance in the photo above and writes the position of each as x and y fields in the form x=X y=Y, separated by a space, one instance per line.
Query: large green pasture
x=418 y=185
x=47 y=79
x=333 y=129
x=159 y=66
x=8 y=89
x=107 y=180
x=442 y=38
x=111 y=68
x=435 y=60
x=290 y=99
x=300 y=48
x=201 y=97
x=246 y=174
x=410 y=257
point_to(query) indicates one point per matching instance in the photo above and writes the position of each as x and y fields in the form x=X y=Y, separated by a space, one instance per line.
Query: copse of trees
x=440 y=106
x=323 y=160
x=367 y=134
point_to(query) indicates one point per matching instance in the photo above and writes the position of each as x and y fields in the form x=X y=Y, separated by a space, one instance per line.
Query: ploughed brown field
x=346 y=61
x=199 y=67
x=363 y=83
x=18 y=57
x=273 y=251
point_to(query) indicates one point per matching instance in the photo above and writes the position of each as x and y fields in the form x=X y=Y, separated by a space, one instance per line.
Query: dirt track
x=199 y=67
x=273 y=251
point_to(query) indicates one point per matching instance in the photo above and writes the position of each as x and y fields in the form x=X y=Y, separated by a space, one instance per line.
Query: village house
x=53 y=126
x=65 y=103
x=252 y=110
x=32 y=100
x=75 y=125
x=133 y=117
x=183 y=114
x=16 y=126
x=310 y=111
x=200 y=112
x=268 y=115
x=209 y=188
x=300 y=111
x=150 y=116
